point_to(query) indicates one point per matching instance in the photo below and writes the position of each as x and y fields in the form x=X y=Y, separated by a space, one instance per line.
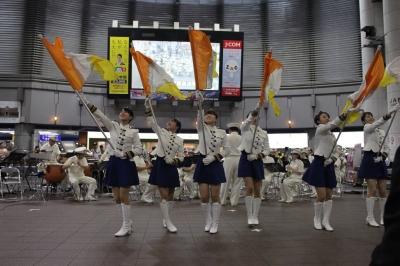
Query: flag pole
x=336 y=140
x=94 y=119
x=387 y=132
x=158 y=132
x=255 y=130
x=202 y=125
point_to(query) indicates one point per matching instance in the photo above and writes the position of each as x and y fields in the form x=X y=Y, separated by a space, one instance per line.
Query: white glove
x=147 y=102
x=83 y=97
x=328 y=162
x=251 y=157
x=169 y=160
x=356 y=109
x=378 y=159
x=199 y=96
x=208 y=160
x=395 y=108
x=118 y=153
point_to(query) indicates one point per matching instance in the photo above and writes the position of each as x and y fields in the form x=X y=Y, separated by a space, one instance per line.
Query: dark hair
x=364 y=115
x=212 y=112
x=316 y=118
x=235 y=129
x=178 y=124
x=119 y=55
x=2 y=142
x=129 y=111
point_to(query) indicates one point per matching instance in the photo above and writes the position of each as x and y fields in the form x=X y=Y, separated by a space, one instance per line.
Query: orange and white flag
x=204 y=59
x=369 y=85
x=76 y=68
x=272 y=81
x=154 y=78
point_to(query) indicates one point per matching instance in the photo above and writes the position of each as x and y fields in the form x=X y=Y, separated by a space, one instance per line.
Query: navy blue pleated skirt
x=254 y=169
x=371 y=170
x=163 y=174
x=121 y=173
x=318 y=175
x=212 y=174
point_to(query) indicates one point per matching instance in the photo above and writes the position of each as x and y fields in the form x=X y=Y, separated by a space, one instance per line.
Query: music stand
x=274 y=167
x=14 y=157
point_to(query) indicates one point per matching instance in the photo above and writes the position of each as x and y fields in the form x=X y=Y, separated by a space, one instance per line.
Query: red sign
x=232 y=44
x=230 y=91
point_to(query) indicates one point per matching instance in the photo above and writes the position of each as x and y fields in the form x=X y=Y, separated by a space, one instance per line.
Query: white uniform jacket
x=324 y=139
x=234 y=140
x=215 y=139
x=171 y=143
x=299 y=166
x=261 y=141
x=373 y=137
x=123 y=137
x=54 y=151
x=75 y=170
x=143 y=175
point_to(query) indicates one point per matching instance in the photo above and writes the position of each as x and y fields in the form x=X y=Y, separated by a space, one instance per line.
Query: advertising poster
x=10 y=111
x=119 y=57
x=231 y=75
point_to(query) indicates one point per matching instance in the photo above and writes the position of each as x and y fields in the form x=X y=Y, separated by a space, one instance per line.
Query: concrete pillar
x=371 y=14
x=391 y=18
x=23 y=137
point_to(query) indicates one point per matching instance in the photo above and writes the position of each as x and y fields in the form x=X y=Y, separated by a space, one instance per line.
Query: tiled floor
x=63 y=232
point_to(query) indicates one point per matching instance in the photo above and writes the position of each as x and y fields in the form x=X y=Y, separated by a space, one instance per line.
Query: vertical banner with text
x=231 y=70
x=119 y=57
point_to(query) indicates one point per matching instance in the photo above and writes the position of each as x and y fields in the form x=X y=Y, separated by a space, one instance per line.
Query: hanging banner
x=119 y=57
x=10 y=112
x=232 y=61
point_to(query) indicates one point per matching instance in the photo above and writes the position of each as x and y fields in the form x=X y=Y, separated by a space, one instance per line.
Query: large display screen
x=171 y=50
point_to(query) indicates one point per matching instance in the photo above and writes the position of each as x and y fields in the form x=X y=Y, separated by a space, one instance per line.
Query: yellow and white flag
x=76 y=68
x=272 y=81
x=392 y=73
x=154 y=78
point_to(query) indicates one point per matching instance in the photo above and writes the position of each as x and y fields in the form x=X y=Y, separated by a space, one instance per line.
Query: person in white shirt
x=209 y=171
x=96 y=152
x=186 y=174
x=121 y=171
x=373 y=168
x=295 y=170
x=321 y=173
x=142 y=168
x=230 y=164
x=52 y=147
x=164 y=173
x=76 y=166
x=254 y=147
x=267 y=175
x=3 y=151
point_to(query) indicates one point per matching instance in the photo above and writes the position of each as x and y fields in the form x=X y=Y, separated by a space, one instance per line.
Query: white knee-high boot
x=370 y=210
x=207 y=213
x=126 y=223
x=317 y=216
x=327 y=209
x=256 y=208
x=249 y=207
x=216 y=210
x=382 y=202
x=165 y=210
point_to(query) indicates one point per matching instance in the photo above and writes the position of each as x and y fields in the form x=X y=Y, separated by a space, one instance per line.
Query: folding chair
x=10 y=177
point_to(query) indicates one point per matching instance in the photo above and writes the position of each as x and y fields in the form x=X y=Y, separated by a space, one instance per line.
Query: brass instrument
x=280 y=155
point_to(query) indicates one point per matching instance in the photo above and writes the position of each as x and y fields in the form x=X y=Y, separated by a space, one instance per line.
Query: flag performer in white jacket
x=209 y=171
x=254 y=148
x=373 y=168
x=321 y=173
x=164 y=173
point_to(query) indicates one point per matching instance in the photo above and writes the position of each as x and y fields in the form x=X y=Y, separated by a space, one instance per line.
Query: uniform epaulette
x=93 y=109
